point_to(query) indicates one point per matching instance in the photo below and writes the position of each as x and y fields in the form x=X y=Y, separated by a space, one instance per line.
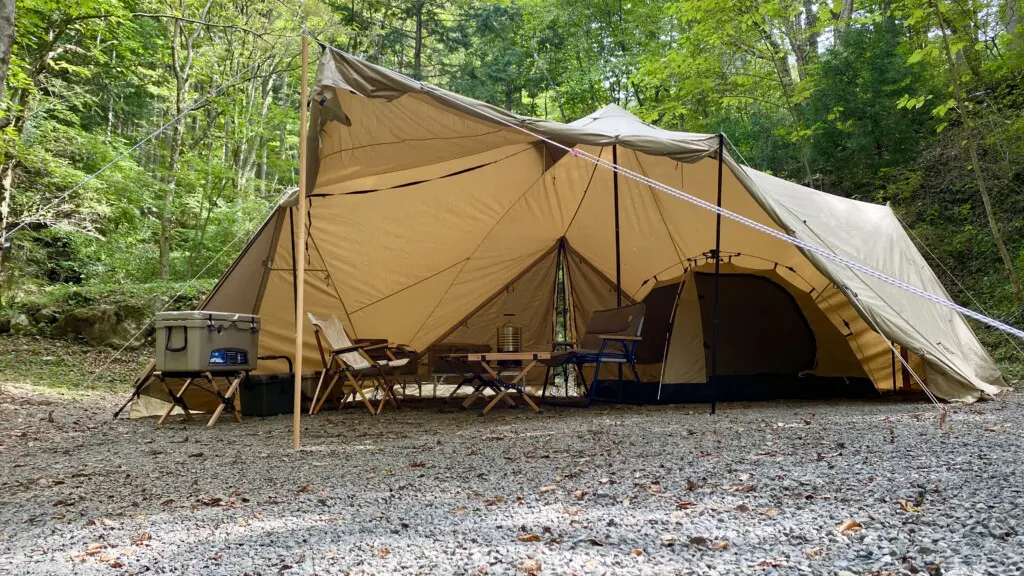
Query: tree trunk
x=6 y=42
x=417 y=56
x=972 y=146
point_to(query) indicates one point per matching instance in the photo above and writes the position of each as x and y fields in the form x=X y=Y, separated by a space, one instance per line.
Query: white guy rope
x=243 y=233
x=209 y=95
x=963 y=288
x=827 y=254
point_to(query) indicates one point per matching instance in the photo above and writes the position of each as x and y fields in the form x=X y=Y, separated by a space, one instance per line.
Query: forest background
x=912 y=102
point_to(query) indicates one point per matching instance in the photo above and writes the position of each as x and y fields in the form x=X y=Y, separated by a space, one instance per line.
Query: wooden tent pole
x=300 y=261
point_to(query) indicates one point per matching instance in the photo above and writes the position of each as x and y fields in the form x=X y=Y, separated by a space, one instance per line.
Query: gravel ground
x=770 y=488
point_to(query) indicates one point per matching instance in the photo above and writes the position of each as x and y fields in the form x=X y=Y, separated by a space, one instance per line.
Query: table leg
x=497 y=398
x=176 y=400
x=224 y=399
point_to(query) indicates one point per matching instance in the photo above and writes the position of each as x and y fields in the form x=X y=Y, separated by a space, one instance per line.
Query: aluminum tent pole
x=618 y=257
x=718 y=262
x=300 y=261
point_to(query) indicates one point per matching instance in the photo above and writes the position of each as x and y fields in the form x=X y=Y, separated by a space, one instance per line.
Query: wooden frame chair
x=611 y=337
x=343 y=358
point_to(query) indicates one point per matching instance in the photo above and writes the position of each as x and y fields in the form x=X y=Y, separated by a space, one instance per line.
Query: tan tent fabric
x=426 y=206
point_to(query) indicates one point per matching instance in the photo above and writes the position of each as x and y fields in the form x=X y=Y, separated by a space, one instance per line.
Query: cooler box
x=203 y=341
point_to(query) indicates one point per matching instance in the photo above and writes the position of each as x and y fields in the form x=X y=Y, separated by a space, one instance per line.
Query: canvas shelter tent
x=430 y=215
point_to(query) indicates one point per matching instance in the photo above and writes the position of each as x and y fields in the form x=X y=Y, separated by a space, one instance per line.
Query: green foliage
x=858 y=104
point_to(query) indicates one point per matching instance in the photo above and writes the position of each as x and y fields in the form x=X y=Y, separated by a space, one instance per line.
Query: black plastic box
x=267 y=394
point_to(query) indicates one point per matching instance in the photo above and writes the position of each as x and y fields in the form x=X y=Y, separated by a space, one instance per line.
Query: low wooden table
x=227 y=399
x=506 y=388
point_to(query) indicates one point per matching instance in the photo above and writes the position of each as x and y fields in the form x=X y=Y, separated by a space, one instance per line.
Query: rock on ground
x=769 y=488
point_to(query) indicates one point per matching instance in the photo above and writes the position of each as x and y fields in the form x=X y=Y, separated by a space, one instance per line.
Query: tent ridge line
x=494 y=295
x=268 y=261
x=672 y=239
x=477 y=248
x=416 y=283
x=584 y=197
x=334 y=285
x=234 y=264
x=418 y=182
x=405 y=140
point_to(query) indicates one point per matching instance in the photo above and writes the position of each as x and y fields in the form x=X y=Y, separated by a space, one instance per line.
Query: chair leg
x=316 y=393
x=315 y=407
x=593 y=383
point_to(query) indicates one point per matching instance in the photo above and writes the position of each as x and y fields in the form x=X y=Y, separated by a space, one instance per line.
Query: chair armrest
x=618 y=337
x=356 y=347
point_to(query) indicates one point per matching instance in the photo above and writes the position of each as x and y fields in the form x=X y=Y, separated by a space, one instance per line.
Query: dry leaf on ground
x=530 y=566
x=531 y=537
x=850 y=527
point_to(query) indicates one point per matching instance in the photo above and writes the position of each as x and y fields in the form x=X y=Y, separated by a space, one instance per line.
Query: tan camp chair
x=340 y=357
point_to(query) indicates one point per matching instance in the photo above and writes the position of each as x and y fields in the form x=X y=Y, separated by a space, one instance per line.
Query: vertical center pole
x=718 y=262
x=618 y=259
x=615 y=194
x=300 y=259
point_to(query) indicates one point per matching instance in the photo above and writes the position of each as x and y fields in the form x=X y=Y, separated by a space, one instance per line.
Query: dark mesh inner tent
x=761 y=329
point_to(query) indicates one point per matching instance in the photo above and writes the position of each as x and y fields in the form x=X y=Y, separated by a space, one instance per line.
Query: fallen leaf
x=720 y=544
x=850 y=526
x=305 y=489
x=636 y=552
x=167 y=502
x=813 y=553
x=544 y=489
x=461 y=510
x=580 y=494
x=698 y=540
x=116 y=564
x=771 y=512
x=606 y=481
x=741 y=488
x=686 y=505
x=530 y=566
x=770 y=563
x=531 y=537
x=993 y=429
x=907 y=506
x=383 y=552
x=142 y=539
x=494 y=501
x=210 y=501
x=742 y=508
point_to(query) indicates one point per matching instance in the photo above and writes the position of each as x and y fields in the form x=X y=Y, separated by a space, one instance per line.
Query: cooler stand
x=227 y=399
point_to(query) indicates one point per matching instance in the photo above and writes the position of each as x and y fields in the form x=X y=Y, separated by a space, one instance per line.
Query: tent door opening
x=762 y=330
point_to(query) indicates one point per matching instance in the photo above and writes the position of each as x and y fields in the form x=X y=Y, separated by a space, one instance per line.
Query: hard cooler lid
x=206 y=315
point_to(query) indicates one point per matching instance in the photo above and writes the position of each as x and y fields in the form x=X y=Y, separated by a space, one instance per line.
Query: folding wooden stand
x=505 y=389
x=227 y=399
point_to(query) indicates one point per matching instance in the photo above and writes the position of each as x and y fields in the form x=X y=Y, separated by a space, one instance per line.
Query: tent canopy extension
x=428 y=219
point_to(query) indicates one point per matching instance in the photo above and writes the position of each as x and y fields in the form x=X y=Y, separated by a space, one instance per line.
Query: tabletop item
x=510 y=336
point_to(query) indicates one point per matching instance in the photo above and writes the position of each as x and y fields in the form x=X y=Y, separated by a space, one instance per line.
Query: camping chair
x=340 y=357
x=611 y=337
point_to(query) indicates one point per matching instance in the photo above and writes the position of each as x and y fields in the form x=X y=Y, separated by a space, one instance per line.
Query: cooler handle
x=167 y=345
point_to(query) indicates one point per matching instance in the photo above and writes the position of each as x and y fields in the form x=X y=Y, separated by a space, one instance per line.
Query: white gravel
x=758 y=489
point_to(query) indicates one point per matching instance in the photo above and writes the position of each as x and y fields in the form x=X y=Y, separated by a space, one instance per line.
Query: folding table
x=506 y=388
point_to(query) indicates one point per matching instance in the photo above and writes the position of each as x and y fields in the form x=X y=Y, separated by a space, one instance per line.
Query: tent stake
x=300 y=262
x=718 y=261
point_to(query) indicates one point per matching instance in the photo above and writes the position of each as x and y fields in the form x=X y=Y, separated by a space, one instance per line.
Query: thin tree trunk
x=6 y=41
x=417 y=57
x=972 y=146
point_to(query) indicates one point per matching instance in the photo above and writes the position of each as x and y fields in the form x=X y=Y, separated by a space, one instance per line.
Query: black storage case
x=268 y=394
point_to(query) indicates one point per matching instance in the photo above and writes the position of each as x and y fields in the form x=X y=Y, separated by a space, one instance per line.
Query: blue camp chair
x=611 y=338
